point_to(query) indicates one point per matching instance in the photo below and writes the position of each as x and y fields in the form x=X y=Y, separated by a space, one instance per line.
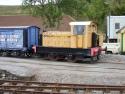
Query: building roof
x=34 y=21
x=64 y=24
x=117 y=16
x=81 y=23
x=3 y=27
x=121 y=30
x=20 y=21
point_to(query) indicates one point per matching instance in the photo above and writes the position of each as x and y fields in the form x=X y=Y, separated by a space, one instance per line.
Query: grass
x=11 y=10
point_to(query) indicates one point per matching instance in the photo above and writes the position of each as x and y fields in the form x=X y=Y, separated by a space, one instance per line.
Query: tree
x=48 y=10
x=118 y=7
x=51 y=11
x=97 y=10
x=74 y=8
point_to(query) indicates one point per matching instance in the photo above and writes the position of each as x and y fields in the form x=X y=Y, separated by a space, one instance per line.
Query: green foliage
x=51 y=11
x=74 y=8
x=11 y=10
x=96 y=10
x=48 y=10
x=117 y=7
x=52 y=14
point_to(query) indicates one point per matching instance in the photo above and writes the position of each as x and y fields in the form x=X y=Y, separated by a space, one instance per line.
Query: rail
x=32 y=87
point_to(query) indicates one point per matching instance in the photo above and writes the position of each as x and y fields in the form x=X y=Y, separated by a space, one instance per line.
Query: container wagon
x=18 y=40
x=82 y=42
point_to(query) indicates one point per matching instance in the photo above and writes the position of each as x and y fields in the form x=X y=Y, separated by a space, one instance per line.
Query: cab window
x=79 y=29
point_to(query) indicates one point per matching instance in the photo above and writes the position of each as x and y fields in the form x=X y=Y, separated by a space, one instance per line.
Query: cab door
x=78 y=32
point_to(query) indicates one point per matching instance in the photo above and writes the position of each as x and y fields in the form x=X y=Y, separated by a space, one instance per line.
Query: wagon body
x=18 y=38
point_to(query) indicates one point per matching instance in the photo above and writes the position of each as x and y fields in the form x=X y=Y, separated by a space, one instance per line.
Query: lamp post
x=109 y=25
x=109 y=22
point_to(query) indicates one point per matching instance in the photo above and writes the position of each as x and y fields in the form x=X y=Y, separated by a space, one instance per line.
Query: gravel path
x=109 y=70
x=112 y=58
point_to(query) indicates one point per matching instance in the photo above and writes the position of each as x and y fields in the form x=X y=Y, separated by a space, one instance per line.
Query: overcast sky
x=11 y=2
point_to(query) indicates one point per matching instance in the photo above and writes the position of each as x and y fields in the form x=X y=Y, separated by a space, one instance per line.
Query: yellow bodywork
x=67 y=39
x=57 y=39
x=101 y=38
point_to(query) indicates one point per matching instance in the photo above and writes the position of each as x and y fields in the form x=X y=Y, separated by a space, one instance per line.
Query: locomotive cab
x=87 y=37
x=86 y=34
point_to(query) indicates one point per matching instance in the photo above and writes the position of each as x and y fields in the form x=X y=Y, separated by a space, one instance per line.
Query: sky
x=11 y=2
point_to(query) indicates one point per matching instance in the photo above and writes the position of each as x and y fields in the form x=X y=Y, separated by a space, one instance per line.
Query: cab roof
x=81 y=23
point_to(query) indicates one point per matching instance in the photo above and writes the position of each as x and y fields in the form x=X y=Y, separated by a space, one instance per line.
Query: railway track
x=30 y=87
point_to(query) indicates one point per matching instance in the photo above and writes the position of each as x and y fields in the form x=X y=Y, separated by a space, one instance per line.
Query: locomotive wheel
x=60 y=58
x=28 y=55
x=45 y=57
x=94 y=59
x=53 y=57
x=72 y=59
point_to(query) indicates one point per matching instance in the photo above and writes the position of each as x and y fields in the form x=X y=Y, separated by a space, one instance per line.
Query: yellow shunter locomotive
x=82 y=42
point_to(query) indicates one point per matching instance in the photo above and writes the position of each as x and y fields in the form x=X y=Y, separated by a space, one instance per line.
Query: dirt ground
x=109 y=70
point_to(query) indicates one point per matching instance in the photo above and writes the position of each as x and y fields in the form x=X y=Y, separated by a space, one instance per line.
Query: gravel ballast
x=109 y=70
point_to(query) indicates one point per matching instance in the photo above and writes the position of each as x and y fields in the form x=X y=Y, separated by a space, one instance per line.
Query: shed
x=35 y=21
x=121 y=39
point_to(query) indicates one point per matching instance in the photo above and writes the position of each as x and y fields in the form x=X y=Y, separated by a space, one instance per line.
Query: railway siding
x=29 y=87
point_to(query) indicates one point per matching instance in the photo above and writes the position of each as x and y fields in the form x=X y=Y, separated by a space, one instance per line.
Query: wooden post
x=88 y=91
x=106 y=91
x=121 y=92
